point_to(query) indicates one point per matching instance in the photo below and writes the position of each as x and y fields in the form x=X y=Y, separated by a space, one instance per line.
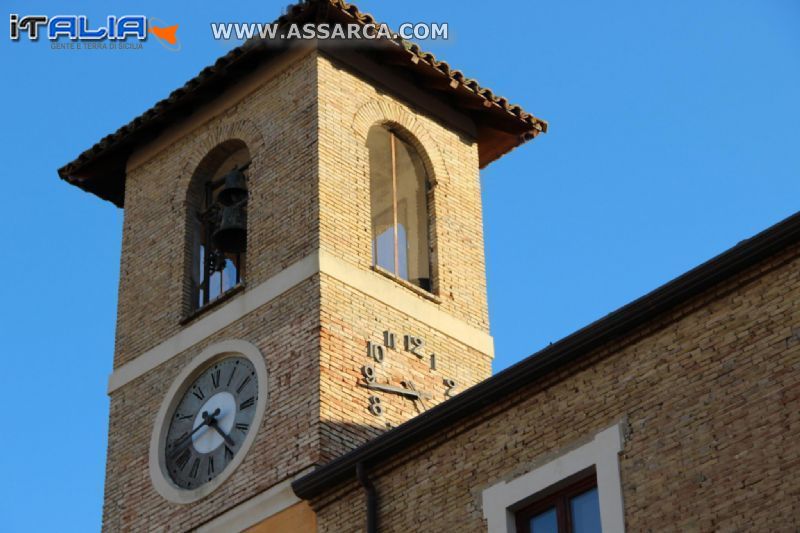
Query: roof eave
x=516 y=125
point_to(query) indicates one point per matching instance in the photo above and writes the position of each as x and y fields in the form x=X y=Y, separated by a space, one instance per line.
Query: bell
x=231 y=235
x=234 y=188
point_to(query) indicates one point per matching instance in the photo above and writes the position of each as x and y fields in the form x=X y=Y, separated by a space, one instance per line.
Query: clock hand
x=183 y=441
x=213 y=423
x=413 y=394
x=410 y=386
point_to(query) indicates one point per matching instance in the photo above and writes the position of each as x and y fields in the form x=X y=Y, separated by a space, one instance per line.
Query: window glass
x=399 y=208
x=574 y=508
x=383 y=249
x=412 y=215
x=546 y=522
x=585 y=512
x=381 y=198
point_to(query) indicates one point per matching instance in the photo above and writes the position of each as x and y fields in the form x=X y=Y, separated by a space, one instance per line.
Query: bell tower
x=302 y=269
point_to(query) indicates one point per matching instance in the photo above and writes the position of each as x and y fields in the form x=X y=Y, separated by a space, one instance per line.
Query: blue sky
x=673 y=136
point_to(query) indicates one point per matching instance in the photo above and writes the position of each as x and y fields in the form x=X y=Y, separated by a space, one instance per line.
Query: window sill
x=407 y=284
x=228 y=295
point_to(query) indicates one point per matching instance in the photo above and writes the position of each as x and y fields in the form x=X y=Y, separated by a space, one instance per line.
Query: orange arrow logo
x=166 y=33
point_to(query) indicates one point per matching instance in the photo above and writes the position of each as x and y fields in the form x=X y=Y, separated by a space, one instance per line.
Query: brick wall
x=711 y=398
x=278 y=122
x=286 y=331
x=349 y=319
x=348 y=107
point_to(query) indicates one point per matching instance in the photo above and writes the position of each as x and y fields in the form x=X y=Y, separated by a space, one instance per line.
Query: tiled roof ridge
x=292 y=13
x=443 y=67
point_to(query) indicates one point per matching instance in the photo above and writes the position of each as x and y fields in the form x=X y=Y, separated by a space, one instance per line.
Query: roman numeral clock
x=208 y=420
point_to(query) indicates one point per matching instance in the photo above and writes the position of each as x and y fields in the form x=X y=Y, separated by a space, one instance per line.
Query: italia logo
x=78 y=28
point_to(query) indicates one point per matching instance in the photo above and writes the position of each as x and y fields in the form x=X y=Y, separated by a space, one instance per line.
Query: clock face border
x=159 y=475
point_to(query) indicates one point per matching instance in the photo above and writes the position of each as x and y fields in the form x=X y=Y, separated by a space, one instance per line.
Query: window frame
x=600 y=452
x=560 y=499
x=396 y=136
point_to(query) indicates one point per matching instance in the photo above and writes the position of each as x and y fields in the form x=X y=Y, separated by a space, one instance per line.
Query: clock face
x=210 y=422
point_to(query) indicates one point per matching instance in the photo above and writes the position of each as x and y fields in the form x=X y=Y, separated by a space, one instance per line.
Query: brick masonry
x=286 y=331
x=305 y=128
x=277 y=122
x=348 y=108
x=710 y=397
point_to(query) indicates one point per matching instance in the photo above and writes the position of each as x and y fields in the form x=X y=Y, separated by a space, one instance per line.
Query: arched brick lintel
x=410 y=129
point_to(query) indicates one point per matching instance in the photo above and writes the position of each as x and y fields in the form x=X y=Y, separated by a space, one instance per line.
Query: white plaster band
x=365 y=281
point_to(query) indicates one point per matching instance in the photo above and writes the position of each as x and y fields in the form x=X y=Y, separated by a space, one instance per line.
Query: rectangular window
x=578 y=491
x=572 y=509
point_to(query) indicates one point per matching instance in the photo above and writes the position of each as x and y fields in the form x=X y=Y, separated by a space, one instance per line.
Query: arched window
x=399 y=207
x=217 y=223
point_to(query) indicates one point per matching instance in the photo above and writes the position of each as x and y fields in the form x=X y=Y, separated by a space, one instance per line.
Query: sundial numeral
x=415 y=345
x=215 y=378
x=375 y=351
x=451 y=385
x=210 y=466
x=184 y=417
x=230 y=378
x=241 y=426
x=198 y=392
x=389 y=340
x=375 y=406
x=369 y=373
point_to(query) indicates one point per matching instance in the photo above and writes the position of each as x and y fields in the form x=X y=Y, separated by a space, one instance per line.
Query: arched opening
x=217 y=223
x=399 y=188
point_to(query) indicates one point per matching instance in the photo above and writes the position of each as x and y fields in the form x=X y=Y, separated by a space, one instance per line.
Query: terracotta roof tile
x=120 y=143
